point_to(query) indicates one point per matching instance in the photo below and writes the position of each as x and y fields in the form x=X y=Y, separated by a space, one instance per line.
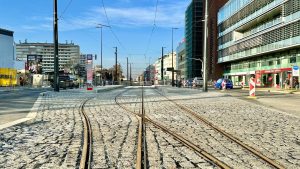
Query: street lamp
x=205 y=48
x=198 y=59
x=172 y=58
x=101 y=26
x=162 y=64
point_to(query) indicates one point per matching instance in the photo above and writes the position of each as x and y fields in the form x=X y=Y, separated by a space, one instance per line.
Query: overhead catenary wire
x=65 y=10
x=110 y=26
x=153 y=28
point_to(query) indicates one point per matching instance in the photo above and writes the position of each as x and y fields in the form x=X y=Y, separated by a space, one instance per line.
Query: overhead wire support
x=153 y=28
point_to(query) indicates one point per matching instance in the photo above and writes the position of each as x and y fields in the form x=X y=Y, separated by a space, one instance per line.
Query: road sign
x=295 y=70
x=169 y=69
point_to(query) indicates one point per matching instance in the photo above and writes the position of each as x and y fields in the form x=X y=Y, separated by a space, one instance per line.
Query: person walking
x=287 y=83
x=296 y=84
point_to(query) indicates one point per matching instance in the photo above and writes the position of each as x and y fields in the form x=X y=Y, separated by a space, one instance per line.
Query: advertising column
x=89 y=70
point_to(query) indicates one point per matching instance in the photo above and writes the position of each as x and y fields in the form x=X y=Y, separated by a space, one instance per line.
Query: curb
x=31 y=115
x=108 y=89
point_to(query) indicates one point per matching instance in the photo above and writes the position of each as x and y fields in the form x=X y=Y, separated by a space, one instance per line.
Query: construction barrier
x=252 y=87
x=224 y=85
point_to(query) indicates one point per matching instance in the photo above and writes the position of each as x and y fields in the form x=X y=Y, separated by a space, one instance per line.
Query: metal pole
x=130 y=75
x=116 y=73
x=56 y=67
x=204 y=49
x=172 y=60
x=162 y=64
x=101 y=50
x=127 y=69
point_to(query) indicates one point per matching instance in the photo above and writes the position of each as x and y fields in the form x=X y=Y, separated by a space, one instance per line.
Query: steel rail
x=189 y=144
x=230 y=136
x=85 y=162
x=140 y=132
x=176 y=136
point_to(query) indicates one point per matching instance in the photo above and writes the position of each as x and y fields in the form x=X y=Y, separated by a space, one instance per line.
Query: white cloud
x=168 y=15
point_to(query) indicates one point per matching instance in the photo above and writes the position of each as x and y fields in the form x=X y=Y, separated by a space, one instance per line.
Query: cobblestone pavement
x=163 y=151
x=50 y=140
x=54 y=138
x=114 y=133
x=274 y=133
x=170 y=115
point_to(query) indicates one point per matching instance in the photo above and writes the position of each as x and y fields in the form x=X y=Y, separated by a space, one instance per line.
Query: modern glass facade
x=194 y=38
x=259 y=38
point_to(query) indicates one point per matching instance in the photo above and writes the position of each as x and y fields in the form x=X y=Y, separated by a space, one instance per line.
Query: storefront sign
x=274 y=70
x=295 y=71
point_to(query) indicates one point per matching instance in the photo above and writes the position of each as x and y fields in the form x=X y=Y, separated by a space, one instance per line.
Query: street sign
x=295 y=71
x=169 y=69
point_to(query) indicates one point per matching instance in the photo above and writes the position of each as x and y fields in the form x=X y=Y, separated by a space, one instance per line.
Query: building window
x=271 y=63
x=293 y=59
x=278 y=61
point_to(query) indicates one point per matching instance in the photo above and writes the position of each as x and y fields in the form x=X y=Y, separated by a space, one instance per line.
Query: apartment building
x=69 y=54
x=260 y=38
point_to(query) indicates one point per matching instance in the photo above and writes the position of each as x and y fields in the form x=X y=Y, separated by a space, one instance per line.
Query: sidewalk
x=275 y=90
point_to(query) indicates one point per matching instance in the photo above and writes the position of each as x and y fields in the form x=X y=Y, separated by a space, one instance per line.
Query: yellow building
x=8 y=75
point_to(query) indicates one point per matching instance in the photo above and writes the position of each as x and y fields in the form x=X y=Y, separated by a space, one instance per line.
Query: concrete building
x=167 y=59
x=214 y=70
x=181 y=61
x=7 y=54
x=69 y=53
x=194 y=31
x=260 y=38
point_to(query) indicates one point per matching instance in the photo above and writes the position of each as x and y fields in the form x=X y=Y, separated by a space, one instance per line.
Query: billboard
x=34 y=64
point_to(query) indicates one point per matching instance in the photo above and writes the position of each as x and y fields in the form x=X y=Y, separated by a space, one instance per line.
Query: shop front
x=273 y=77
x=240 y=78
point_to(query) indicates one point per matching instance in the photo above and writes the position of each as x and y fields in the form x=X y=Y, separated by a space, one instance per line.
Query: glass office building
x=259 y=38
x=194 y=38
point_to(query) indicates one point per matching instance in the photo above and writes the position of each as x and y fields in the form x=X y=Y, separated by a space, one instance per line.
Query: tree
x=119 y=73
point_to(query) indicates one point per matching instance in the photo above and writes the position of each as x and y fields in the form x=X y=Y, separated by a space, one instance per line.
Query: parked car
x=198 y=81
x=189 y=82
x=218 y=84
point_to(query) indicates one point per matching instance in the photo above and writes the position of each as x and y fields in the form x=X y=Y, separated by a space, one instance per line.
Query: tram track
x=85 y=161
x=253 y=150
x=181 y=139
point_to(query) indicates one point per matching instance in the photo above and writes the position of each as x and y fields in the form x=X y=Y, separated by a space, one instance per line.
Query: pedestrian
x=287 y=83
x=296 y=84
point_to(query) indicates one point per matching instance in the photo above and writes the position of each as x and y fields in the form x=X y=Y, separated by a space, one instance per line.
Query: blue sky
x=131 y=21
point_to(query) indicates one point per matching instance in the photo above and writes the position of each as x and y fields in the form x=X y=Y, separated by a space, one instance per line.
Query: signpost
x=295 y=71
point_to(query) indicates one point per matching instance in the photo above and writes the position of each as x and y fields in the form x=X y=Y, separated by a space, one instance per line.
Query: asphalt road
x=289 y=103
x=16 y=104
